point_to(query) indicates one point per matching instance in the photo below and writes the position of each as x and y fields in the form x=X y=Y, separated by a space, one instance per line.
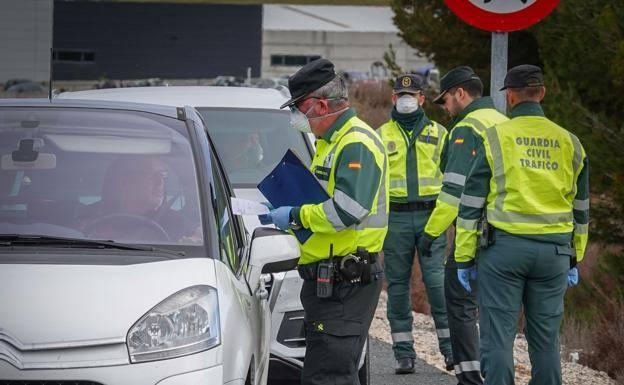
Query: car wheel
x=364 y=372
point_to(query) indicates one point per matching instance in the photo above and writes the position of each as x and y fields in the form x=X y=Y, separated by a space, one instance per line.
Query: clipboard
x=291 y=183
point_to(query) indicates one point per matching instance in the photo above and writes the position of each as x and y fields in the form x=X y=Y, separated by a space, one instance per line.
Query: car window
x=229 y=244
x=98 y=174
x=251 y=142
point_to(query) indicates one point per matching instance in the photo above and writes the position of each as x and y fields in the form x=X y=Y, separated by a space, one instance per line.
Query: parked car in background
x=11 y=82
x=121 y=260
x=251 y=134
x=431 y=75
x=26 y=87
x=228 y=81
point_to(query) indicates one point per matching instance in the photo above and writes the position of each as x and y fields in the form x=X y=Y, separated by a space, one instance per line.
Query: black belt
x=309 y=271
x=412 y=206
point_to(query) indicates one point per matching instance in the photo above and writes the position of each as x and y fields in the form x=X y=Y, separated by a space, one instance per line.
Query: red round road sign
x=502 y=15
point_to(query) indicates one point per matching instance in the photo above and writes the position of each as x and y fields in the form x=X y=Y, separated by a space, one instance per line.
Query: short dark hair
x=528 y=93
x=474 y=88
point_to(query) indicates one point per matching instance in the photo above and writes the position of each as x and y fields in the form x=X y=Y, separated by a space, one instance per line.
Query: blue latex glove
x=465 y=275
x=265 y=219
x=281 y=217
x=573 y=277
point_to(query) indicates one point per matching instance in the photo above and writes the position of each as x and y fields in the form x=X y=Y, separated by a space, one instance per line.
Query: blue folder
x=291 y=183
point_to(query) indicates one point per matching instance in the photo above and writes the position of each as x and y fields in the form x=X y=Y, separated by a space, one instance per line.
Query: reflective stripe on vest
x=427 y=158
x=371 y=230
x=380 y=218
x=531 y=176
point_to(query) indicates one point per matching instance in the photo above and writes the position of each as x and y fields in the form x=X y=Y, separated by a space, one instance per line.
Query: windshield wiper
x=36 y=239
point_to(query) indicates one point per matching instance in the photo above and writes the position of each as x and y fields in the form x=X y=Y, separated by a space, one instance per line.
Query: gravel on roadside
x=426 y=346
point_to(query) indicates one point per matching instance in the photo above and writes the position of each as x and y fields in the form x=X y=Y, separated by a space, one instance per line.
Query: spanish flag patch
x=355 y=165
x=459 y=140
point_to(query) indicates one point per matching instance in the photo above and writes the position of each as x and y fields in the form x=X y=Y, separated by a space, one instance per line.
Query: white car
x=251 y=134
x=120 y=259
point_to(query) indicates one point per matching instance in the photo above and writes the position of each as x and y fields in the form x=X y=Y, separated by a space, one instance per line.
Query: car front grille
x=48 y=382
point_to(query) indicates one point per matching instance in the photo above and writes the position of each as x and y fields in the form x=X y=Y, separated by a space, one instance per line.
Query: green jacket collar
x=338 y=124
x=477 y=104
x=527 y=109
x=413 y=122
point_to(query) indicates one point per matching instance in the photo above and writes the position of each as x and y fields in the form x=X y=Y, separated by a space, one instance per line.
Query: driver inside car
x=134 y=208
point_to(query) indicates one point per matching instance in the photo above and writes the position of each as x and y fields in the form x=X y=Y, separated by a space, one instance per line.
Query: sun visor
x=43 y=162
x=111 y=144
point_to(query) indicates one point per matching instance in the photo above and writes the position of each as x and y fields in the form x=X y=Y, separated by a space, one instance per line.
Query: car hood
x=46 y=306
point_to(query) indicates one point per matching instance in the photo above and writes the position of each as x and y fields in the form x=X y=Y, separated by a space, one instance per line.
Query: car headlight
x=185 y=323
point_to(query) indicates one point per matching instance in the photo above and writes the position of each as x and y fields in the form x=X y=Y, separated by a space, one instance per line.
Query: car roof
x=165 y=110
x=196 y=96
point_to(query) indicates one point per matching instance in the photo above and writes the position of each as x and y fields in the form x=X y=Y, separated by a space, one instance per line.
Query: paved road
x=382 y=369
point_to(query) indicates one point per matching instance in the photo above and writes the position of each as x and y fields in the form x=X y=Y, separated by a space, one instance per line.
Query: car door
x=234 y=247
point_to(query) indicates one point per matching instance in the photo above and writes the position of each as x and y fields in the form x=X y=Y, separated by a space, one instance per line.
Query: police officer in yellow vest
x=461 y=96
x=530 y=181
x=342 y=277
x=414 y=144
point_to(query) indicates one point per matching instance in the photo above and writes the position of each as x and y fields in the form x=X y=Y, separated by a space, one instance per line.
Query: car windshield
x=251 y=142
x=97 y=174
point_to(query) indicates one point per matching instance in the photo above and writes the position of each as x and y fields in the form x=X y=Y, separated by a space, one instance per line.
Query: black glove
x=424 y=245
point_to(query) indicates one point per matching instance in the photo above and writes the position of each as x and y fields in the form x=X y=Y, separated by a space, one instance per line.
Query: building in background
x=116 y=40
x=26 y=35
x=354 y=38
x=119 y=40
x=96 y=40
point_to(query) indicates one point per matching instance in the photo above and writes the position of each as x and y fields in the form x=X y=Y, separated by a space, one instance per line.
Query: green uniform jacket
x=414 y=155
x=531 y=178
x=351 y=163
x=457 y=160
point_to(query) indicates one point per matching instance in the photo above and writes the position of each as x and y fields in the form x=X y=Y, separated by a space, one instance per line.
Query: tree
x=580 y=46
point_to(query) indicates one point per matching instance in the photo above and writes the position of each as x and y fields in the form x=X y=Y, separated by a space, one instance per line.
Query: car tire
x=364 y=372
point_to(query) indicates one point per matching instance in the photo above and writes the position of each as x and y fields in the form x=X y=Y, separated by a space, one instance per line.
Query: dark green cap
x=411 y=83
x=310 y=77
x=453 y=78
x=524 y=75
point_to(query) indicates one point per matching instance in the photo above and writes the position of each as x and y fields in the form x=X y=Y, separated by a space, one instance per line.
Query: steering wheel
x=130 y=219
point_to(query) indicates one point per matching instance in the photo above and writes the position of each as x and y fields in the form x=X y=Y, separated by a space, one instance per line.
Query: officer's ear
x=324 y=107
x=542 y=94
x=421 y=98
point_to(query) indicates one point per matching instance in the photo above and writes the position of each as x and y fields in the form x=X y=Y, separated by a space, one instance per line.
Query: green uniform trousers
x=517 y=272
x=404 y=229
x=461 y=308
x=336 y=329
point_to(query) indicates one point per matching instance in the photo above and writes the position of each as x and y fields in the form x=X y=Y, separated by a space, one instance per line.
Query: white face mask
x=300 y=121
x=406 y=104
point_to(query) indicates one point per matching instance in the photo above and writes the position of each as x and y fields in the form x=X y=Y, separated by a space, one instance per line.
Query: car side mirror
x=272 y=251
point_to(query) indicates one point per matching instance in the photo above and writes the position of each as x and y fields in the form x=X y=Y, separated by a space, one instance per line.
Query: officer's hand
x=465 y=275
x=573 y=277
x=281 y=217
x=265 y=219
x=424 y=245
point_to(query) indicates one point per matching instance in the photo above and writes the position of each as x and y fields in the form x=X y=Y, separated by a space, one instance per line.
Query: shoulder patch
x=391 y=146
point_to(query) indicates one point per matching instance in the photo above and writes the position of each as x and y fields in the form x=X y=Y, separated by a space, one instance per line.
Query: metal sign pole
x=499 y=69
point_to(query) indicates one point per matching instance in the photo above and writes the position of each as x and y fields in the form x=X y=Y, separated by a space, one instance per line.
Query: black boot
x=448 y=362
x=405 y=365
